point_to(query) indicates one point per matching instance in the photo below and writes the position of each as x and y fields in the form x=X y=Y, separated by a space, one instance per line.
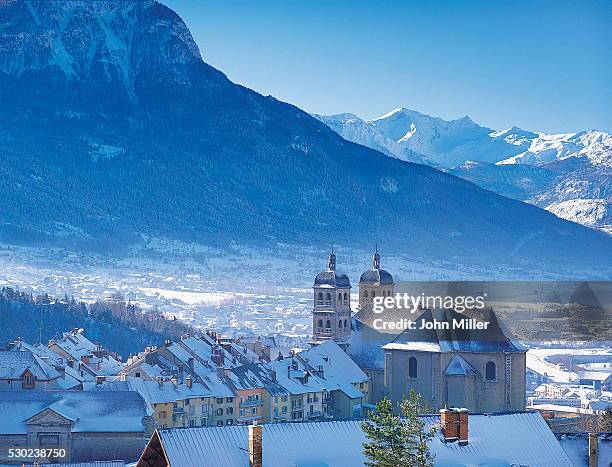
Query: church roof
x=376 y=276
x=332 y=279
x=494 y=339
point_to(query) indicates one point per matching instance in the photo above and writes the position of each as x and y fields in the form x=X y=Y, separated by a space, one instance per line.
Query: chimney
x=463 y=426
x=167 y=343
x=160 y=381
x=190 y=362
x=593 y=448
x=273 y=375
x=189 y=381
x=122 y=377
x=449 y=419
x=174 y=381
x=255 y=445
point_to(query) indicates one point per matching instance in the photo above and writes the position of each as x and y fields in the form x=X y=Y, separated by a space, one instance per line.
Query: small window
x=320 y=323
x=138 y=374
x=339 y=297
x=340 y=324
x=229 y=400
x=230 y=410
x=345 y=296
x=230 y=422
x=328 y=297
x=328 y=324
x=373 y=293
x=412 y=367
x=365 y=294
x=490 y=371
x=219 y=400
x=346 y=323
x=219 y=422
x=320 y=296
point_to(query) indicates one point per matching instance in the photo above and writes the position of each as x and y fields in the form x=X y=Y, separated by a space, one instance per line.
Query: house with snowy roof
x=502 y=440
x=91 y=357
x=23 y=370
x=80 y=425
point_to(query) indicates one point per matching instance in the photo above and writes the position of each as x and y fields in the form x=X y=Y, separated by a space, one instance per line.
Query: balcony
x=315 y=414
x=297 y=408
x=254 y=403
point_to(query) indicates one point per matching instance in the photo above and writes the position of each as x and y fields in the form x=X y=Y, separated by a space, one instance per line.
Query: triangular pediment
x=48 y=416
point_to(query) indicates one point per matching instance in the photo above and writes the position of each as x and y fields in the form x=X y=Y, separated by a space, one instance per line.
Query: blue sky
x=541 y=65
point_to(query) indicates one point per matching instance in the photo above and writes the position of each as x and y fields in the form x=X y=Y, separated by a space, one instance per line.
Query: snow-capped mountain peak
x=571 y=166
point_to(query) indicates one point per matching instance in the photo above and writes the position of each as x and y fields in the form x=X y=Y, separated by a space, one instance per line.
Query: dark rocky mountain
x=112 y=126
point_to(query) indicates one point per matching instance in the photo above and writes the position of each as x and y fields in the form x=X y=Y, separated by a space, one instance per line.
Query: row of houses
x=204 y=380
x=79 y=402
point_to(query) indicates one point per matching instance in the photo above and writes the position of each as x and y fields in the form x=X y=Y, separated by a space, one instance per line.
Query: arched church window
x=412 y=367
x=373 y=293
x=346 y=323
x=339 y=297
x=328 y=324
x=320 y=297
x=490 y=371
x=340 y=324
x=320 y=323
x=365 y=294
x=345 y=296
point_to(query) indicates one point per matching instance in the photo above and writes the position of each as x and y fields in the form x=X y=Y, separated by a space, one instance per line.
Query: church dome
x=376 y=275
x=331 y=277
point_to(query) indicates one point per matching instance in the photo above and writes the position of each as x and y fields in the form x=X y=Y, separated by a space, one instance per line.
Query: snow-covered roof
x=88 y=464
x=13 y=363
x=91 y=411
x=153 y=392
x=595 y=375
x=75 y=344
x=339 y=370
x=494 y=339
x=493 y=442
x=73 y=376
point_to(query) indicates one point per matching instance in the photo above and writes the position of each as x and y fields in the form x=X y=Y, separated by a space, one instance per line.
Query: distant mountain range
x=112 y=128
x=568 y=174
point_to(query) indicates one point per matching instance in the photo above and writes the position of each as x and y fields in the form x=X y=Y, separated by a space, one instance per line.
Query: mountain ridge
x=90 y=160
x=573 y=166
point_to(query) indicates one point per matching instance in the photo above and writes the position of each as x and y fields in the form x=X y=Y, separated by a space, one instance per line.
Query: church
x=481 y=368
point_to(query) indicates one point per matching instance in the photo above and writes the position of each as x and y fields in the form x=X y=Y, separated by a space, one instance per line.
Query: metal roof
x=493 y=441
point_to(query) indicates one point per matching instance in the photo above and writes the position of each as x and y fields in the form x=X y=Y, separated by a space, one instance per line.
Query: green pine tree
x=605 y=421
x=398 y=440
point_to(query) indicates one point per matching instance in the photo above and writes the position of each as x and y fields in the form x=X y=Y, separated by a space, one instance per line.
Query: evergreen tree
x=605 y=421
x=398 y=440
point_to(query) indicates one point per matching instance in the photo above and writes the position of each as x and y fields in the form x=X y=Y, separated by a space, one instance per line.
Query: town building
x=78 y=425
x=90 y=357
x=501 y=440
x=24 y=370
